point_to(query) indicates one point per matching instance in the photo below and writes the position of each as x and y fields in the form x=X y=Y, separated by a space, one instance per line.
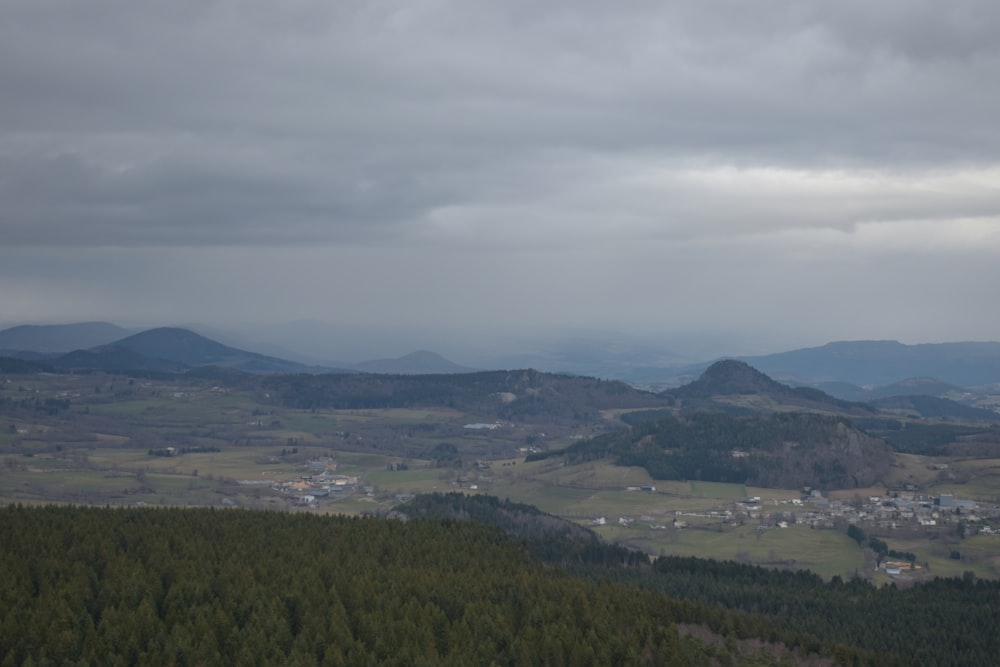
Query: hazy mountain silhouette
x=885 y=362
x=415 y=363
x=186 y=347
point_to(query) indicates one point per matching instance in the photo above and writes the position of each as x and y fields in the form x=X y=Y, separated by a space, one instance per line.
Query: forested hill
x=549 y=538
x=785 y=450
x=520 y=395
x=729 y=378
x=188 y=348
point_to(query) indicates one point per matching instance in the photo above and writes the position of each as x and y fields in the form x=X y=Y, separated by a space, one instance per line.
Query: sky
x=744 y=177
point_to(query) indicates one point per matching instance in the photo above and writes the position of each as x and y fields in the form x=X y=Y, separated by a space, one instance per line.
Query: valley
x=232 y=441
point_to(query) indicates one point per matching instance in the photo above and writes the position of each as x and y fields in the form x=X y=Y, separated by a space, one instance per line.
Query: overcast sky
x=775 y=173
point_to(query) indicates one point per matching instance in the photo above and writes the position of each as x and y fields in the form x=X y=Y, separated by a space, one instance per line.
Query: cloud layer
x=796 y=170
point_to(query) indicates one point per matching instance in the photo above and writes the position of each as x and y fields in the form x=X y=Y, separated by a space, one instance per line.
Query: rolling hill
x=182 y=346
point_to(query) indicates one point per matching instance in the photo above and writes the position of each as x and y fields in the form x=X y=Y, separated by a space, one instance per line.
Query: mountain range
x=848 y=370
x=101 y=346
x=883 y=362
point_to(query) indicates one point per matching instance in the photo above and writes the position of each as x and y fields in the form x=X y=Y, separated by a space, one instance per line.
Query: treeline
x=34 y=404
x=930 y=439
x=91 y=586
x=776 y=450
x=941 y=622
x=547 y=537
x=520 y=395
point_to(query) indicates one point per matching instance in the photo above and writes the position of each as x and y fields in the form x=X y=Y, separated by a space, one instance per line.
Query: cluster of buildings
x=904 y=509
x=896 y=511
x=320 y=481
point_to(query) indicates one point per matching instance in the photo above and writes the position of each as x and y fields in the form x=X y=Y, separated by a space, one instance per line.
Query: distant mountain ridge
x=420 y=362
x=60 y=338
x=883 y=362
x=182 y=346
x=850 y=370
x=104 y=346
x=916 y=386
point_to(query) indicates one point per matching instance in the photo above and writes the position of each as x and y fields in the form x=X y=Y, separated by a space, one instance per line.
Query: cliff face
x=832 y=456
x=782 y=450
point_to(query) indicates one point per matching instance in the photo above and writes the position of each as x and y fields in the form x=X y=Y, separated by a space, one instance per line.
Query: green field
x=826 y=552
x=98 y=452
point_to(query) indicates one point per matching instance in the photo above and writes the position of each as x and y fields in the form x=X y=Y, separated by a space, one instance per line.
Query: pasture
x=101 y=451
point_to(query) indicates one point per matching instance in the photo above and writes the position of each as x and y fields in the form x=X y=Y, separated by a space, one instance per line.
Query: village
x=319 y=481
x=905 y=510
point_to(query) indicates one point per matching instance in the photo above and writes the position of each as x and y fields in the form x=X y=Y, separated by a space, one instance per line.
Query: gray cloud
x=575 y=161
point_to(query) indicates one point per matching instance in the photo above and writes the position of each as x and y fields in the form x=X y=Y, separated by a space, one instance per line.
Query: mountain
x=882 y=362
x=729 y=378
x=59 y=338
x=183 y=346
x=421 y=362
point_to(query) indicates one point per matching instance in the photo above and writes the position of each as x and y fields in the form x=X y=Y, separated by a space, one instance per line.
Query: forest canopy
x=92 y=586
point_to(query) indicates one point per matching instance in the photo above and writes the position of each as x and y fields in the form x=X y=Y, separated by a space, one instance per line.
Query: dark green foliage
x=172 y=587
x=637 y=417
x=548 y=537
x=942 y=622
x=535 y=394
x=879 y=547
x=780 y=450
x=926 y=439
x=203 y=587
x=445 y=454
